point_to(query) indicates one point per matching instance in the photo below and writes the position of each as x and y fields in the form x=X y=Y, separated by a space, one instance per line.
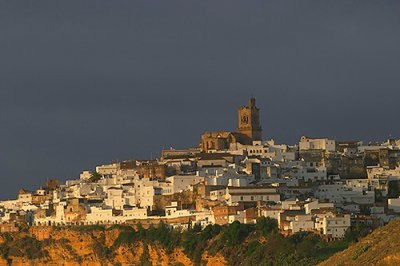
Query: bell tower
x=249 y=121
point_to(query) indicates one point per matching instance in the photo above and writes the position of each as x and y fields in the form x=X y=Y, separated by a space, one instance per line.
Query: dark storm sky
x=88 y=82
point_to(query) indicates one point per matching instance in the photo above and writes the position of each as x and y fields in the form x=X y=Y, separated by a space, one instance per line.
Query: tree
x=236 y=233
x=266 y=225
x=95 y=176
x=141 y=231
x=393 y=189
x=354 y=233
x=210 y=231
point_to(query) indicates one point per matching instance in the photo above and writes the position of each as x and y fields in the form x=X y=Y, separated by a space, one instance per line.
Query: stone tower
x=249 y=121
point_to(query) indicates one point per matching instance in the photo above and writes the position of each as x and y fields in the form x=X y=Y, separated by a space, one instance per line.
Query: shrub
x=236 y=233
x=26 y=247
x=266 y=225
x=120 y=227
x=125 y=238
x=101 y=250
x=4 y=250
x=163 y=234
x=360 y=251
x=354 y=233
x=88 y=228
x=145 y=258
x=253 y=246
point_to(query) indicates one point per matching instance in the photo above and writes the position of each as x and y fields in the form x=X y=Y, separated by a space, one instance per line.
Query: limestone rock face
x=64 y=246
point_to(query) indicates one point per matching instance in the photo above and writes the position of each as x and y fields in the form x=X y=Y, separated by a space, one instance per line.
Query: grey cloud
x=87 y=82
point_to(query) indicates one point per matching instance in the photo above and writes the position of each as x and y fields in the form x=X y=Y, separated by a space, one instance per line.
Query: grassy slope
x=381 y=247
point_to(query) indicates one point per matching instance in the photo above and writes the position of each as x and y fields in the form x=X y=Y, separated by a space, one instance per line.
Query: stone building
x=144 y=168
x=248 y=130
x=249 y=121
x=75 y=211
x=222 y=213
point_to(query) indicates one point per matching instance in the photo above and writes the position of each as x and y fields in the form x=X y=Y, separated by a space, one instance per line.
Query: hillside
x=88 y=246
x=381 y=247
x=235 y=244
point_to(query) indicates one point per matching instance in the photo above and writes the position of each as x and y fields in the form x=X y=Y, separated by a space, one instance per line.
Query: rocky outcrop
x=66 y=246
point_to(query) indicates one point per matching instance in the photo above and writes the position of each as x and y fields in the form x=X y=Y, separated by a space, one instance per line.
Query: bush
x=125 y=238
x=393 y=189
x=252 y=247
x=63 y=241
x=88 y=228
x=194 y=241
x=101 y=250
x=4 y=250
x=266 y=225
x=26 y=247
x=354 y=233
x=236 y=233
x=95 y=176
x=145 y=258
x=360 y=251
x=120 y=227
x=210 y=231
x=163 y=234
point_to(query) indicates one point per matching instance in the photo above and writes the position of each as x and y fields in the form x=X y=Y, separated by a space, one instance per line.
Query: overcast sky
x=88 y=82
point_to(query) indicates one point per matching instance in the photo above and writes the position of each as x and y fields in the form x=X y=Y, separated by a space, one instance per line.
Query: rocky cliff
x=72 y=246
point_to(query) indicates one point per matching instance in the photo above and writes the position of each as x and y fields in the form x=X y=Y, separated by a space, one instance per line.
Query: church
x=248 y=130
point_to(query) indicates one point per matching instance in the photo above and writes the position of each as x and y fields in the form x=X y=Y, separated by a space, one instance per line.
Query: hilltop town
x=320 y=185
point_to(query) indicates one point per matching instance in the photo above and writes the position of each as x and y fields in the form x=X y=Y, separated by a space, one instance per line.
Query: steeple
x=249 y=121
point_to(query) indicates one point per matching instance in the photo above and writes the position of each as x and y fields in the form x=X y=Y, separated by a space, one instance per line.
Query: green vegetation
x=393 y=189
x=162 y=234
x=88 y=228
x=145 y=258
x=125 y=238
x=28 y=247
x=266 y=225
x=240 y=244
x=120 y=227
x=360 y=251
x=100 y=248
x=252 y=247
x=355 y=233
x=236 y=233
x=95 y=176
x=195 y=241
